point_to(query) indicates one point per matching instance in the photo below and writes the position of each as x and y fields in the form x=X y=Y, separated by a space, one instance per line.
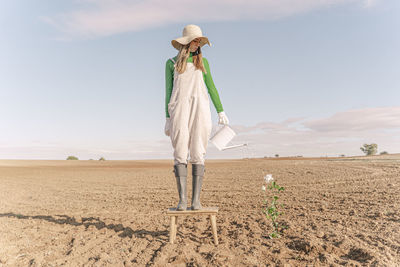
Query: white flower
x=268 y=178
x=263 y=188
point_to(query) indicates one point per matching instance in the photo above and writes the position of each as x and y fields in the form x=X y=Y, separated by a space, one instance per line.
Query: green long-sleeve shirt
x=169 y=83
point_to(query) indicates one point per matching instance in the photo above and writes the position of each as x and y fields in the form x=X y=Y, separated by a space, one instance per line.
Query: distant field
x=339 y=211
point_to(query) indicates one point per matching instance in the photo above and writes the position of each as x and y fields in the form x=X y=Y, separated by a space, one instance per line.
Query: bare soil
x=338 y=211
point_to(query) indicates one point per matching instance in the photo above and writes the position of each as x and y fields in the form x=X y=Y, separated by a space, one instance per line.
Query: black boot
x=197 y=181
x=181 y=178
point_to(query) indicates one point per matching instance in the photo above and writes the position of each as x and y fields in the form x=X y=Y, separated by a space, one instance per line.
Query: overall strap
x=172 y=60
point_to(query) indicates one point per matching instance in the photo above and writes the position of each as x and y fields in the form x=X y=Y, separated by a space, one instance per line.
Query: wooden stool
x=173 y=213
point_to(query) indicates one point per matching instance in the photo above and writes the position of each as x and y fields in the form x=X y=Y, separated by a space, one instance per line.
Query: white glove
x=167 y=128
x=223 y=119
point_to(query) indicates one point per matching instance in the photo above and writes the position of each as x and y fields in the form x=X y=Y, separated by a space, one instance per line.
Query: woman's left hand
x=167 y=128
x=223 y=119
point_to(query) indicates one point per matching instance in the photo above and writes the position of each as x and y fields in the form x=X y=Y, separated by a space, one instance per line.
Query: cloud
x=286 y=125
x=368 y=119
x=107 y=17
x=145 y=150
x=370 y=3
x=341 y=133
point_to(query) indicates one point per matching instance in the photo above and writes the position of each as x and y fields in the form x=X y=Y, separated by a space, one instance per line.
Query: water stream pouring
x=222 y=137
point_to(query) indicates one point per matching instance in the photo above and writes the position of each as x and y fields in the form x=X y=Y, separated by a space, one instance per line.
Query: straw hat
x=190 y=32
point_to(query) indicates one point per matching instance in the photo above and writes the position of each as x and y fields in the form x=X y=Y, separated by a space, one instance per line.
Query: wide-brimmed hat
x=190 y=32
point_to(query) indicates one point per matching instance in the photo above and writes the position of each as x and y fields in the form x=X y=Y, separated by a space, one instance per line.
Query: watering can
x=222 y=137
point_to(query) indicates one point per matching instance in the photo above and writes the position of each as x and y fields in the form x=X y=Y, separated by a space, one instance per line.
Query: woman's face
x=194 y=44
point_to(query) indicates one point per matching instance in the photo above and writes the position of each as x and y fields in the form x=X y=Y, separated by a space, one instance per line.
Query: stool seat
x=210 y=211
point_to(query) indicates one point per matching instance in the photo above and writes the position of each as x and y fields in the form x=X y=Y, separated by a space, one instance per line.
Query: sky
x=295 y=77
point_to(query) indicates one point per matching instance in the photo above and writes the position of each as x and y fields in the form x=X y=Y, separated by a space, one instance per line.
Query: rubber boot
x=181 y=178
x=197 y=181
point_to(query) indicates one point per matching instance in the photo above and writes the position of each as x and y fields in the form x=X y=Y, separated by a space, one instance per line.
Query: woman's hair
x=183 y=55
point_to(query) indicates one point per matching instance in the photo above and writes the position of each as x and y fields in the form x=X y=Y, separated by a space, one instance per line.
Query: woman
x=187 y=107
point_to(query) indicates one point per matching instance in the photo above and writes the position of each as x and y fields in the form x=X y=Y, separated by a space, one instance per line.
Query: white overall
x=189 y=110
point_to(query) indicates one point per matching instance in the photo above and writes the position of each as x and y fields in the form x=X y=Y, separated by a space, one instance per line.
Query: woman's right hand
x=222 y=118
x=167 y=128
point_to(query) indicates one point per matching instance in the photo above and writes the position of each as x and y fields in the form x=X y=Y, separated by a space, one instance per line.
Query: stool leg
x=172 y=230
x=176 y=226
x=214 y=228
x=176 y=220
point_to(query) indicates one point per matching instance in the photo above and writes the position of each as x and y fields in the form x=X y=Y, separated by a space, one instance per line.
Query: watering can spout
x=234 y=146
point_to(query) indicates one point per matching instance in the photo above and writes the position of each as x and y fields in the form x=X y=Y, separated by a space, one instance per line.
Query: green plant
x=102 y=158
x=72 y=158
x=384 y=153
x=369 y=149
x=272 y=207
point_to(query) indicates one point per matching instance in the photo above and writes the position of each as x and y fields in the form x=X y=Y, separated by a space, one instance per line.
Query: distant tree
x=384 y=153
x=369 y=149
x=72 y=158
x=102 y=158
x=342 y=155
x=276 y=155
